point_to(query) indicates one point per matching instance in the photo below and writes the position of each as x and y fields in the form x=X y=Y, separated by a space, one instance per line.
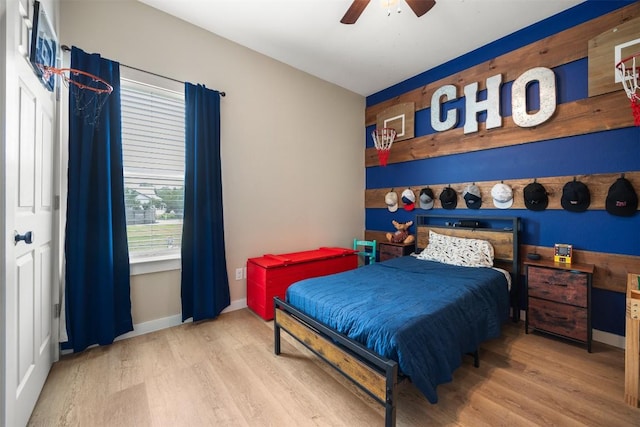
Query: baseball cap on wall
x=426 y=198
x=502 y=196
x=391 y=200
x=472 y=197
x=622 y=199
x=449 y=198
x=535 y=197
x=575 y=196
x=408 y=199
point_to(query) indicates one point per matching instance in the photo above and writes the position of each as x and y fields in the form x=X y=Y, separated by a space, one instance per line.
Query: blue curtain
x=98 y=304
x=205 y=285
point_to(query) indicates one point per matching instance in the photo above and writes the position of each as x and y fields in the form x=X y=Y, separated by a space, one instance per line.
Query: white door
x=30 y=334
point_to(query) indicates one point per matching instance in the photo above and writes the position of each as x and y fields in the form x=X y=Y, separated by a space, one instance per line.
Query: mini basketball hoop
x=383 y=139
x=90 y=91
x=629 y=73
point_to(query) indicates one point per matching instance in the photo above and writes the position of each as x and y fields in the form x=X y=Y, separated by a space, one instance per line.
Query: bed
x=409 y=317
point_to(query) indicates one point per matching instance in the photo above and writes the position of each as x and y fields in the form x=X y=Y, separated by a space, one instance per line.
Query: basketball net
x=89 y=91
x=383 y=139
x=630 y=76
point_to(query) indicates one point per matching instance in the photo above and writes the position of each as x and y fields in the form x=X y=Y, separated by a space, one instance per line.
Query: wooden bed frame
x=374 y=374
x=502 y=232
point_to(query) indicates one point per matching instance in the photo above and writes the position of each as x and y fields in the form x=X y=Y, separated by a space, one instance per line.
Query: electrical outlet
x=244 y=272
x=239 y=273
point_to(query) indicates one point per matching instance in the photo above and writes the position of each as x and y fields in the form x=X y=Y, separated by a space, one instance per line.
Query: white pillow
x=458 y=251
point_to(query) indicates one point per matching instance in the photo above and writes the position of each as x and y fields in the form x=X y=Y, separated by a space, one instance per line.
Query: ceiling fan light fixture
x=390 y=4
x=419 y=7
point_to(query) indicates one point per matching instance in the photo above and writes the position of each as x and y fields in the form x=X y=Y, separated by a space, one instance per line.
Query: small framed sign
x=44 y=46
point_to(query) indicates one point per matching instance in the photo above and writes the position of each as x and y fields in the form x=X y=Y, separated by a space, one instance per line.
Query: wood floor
x=224 y=373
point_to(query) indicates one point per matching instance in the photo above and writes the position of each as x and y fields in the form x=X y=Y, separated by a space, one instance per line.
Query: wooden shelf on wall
x=610 y=273
x=581 y=117
x=598 y=187
x=611 y=269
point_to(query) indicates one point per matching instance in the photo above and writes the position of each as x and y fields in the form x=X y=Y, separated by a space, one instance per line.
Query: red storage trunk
x=270 y=275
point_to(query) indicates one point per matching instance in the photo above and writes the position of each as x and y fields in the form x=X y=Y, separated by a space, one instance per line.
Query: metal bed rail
x=377 y=376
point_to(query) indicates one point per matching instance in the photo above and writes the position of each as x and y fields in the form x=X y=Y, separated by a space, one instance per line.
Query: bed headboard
x=501 y=232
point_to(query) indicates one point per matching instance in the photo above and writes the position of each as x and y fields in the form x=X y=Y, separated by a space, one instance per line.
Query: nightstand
x=390 y=250
x=559 y=299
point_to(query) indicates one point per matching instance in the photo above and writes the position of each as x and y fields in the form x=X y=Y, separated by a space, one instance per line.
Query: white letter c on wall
x=451 y=120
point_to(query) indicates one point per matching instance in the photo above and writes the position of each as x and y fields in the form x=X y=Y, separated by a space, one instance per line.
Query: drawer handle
x=558 y=317
x=556 y=284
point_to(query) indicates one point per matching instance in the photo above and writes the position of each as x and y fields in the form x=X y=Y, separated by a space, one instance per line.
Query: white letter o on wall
x=547 y=84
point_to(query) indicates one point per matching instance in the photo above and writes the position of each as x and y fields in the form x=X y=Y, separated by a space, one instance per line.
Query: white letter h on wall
x=491 y=105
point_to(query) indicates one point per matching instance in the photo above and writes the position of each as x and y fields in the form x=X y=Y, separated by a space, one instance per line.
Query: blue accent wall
x=614 y=151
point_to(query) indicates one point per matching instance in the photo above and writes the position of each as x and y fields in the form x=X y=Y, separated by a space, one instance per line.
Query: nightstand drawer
x=389 y=250
x=557 y=285
x=561 y=319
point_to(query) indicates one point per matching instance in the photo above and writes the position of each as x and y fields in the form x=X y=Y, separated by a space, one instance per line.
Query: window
x=153 y=141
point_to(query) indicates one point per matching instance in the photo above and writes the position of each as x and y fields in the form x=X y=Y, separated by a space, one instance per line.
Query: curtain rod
x=68 y=49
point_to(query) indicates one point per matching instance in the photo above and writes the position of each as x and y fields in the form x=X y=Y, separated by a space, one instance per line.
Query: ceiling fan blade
x=354 y=11
x=420 y=7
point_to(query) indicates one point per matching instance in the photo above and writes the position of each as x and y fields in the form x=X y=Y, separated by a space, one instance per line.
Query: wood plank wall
x=600 y=113
x=598 y=188
x=558 y=49
x=610 y=273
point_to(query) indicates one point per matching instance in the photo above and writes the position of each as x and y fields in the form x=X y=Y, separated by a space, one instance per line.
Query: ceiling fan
x=419 y=7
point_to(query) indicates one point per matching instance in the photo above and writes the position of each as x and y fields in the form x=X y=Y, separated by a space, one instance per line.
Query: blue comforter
x=422 y=314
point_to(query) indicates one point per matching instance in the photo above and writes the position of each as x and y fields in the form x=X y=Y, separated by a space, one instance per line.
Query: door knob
x=27 y=237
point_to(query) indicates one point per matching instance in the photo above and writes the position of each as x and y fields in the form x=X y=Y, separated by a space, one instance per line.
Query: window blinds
x=153 y=140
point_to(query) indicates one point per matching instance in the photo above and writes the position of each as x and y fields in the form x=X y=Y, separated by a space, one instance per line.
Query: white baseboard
x=236 y=305
x=608 y=338
x=152 y=326
x=171 y=321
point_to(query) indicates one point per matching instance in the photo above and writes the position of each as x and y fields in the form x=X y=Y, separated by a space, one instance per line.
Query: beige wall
x=155 y=296
x=292 y=145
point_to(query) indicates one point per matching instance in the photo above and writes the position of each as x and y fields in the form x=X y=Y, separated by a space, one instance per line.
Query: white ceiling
x=376 y=52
